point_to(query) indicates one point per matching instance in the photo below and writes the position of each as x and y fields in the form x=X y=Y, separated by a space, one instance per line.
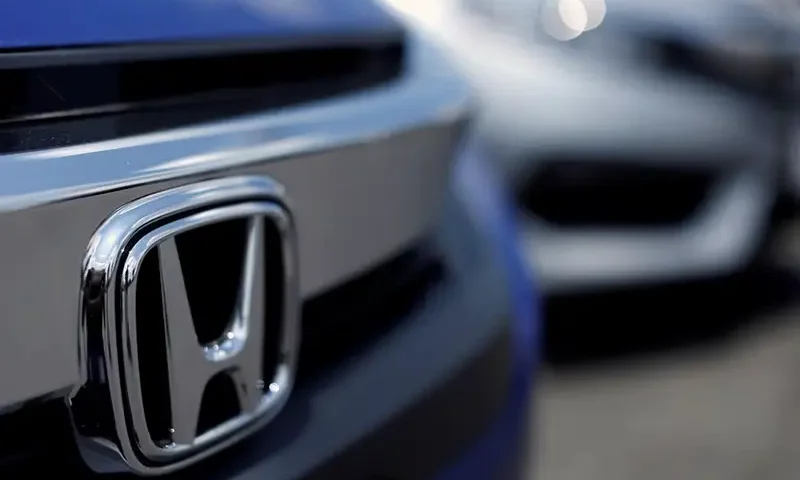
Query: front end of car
x=643 y=143
x=258 y=243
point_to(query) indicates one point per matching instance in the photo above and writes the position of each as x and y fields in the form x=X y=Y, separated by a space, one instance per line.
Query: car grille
x=337 y=325
x=340 y=322
x=58 y=105
x=572 y=193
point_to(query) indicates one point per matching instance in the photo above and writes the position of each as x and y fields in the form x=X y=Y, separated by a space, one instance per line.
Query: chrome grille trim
x=367 y=166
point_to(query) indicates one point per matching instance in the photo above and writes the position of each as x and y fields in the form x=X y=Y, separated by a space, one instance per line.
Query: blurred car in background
x=646 y=140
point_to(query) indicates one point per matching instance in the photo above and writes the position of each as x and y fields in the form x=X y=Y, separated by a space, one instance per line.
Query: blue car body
x=50 y=23
x=444 y=393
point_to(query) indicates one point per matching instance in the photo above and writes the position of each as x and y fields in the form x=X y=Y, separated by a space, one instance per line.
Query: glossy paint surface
x=490 y=202
x=41 y=24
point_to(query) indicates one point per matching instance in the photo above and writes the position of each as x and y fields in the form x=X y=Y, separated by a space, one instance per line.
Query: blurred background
x=653 y=149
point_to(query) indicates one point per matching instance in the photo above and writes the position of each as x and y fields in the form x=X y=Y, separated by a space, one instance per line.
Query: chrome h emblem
x=238 y=352
x=113 y=315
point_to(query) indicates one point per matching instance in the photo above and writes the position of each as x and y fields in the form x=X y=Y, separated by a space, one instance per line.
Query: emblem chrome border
x=113 y=440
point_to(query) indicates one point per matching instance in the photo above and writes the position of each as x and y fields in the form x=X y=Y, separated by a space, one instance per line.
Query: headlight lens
x=756 y=67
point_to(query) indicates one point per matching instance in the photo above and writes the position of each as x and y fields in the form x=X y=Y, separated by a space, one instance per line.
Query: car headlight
x=755 y=67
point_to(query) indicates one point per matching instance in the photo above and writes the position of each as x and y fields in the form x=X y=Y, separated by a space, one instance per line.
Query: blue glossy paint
x=479 y=187
x=60 y=23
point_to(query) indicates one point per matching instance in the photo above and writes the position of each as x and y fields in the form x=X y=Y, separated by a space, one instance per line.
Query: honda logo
x=196 y=288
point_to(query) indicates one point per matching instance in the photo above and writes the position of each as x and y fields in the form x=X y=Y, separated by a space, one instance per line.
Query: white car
x=642 y=136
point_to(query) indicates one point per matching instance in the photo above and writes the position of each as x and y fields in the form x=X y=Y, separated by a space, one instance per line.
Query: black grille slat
x=609 y=194
x=55 y=106
x=340 y=323
x=766 y=78
x=71 y=90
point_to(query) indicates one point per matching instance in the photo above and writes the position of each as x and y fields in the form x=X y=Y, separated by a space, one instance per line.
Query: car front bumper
x=446 y=393
x=542 y=103
x=366 y=174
